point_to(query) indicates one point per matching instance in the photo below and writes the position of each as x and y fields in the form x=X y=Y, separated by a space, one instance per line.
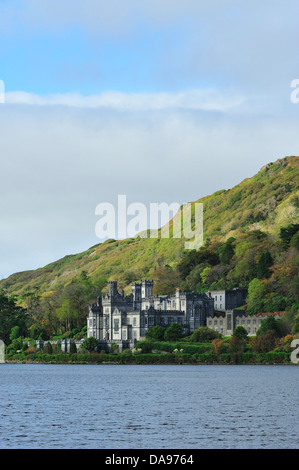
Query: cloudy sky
x=161 y=101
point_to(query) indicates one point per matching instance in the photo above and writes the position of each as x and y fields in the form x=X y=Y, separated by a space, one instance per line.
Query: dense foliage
x=251 y=240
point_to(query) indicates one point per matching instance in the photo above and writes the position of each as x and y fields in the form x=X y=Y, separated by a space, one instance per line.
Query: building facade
x=228 y=299
x=227 y=321
x=124 y=320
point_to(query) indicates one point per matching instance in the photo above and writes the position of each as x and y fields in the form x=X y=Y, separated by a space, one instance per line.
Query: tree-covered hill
x=250 y=240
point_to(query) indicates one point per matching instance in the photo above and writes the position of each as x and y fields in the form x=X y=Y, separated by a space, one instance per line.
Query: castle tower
x=112 y=288
x=136 y=291
x=94 y=321
x=147 y=288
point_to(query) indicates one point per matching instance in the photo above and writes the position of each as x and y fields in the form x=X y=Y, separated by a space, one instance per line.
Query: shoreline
x=154 y=364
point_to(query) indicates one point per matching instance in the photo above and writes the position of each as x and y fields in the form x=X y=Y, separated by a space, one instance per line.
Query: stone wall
x=226 y=322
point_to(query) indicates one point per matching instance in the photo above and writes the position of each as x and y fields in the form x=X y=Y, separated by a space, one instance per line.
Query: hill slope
x=264 y=203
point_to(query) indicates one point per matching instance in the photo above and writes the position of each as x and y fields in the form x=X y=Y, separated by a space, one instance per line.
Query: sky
x=160 y=101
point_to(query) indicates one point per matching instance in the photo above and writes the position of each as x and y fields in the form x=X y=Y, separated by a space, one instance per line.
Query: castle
x=124 y=320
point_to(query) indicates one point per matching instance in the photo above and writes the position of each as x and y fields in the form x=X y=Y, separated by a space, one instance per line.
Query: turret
x=112 y=288
x=136 y=291
x=147 y=288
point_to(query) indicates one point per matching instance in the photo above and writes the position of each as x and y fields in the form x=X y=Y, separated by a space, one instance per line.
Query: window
x=134 y=321
x=116 y=325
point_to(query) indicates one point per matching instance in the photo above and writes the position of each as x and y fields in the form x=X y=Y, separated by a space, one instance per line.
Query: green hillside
x=264 y=202
x=240 y=225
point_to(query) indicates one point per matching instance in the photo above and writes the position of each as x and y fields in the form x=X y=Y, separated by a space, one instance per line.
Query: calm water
x=148 y=407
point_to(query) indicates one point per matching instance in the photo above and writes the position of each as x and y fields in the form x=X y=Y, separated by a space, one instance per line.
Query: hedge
x=273 y=357
x=149 y=346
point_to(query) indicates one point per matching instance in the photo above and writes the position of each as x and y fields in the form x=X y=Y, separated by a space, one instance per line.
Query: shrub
x=73 y=348
x=90 y=344
x=284 y=344
x=268 y=323
x=240 y=332
x=155 y=333
x=48 y=348
x=203 y=333
x=173 y=332
x=218 y=346
x=265 y=342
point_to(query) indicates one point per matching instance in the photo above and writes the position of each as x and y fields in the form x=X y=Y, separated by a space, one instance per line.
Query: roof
x=265 y=314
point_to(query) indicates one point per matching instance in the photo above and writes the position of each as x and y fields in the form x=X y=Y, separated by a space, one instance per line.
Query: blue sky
x=164 y=101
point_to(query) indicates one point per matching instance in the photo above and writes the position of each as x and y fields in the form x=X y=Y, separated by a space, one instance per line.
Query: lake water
x=46 y=406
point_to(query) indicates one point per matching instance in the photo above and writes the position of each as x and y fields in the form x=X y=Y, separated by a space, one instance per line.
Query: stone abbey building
x=124 y=320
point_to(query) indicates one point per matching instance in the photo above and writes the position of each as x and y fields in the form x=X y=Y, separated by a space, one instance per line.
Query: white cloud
x=58 y=162
x=208 y=99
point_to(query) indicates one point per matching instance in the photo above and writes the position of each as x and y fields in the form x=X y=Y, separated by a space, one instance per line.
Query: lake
x=49 y=406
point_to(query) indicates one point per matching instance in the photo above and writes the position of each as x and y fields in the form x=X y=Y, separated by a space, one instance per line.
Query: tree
x=255 y=300
x=15 y=333
x=218 y=346
x=166 y=280
x=236 y=345
x=226 y=251
x=173 y=332
x=264 y=263
x=265 y=342
x=156 y=333
x=203 y=333
x=287 y=233
x=11 y=316
x=38 y=332
x=73 y=347
x=268 y=323
x=90 y=344
x=240 y=332
x=295 y=241
x=295 y=328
